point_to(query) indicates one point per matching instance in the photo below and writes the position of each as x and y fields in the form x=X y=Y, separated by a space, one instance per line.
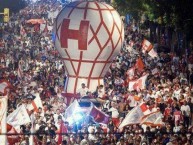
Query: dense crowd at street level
x=168 y=88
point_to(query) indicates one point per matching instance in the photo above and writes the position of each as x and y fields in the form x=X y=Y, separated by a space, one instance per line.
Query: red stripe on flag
x=35 y=106
x=143 y=107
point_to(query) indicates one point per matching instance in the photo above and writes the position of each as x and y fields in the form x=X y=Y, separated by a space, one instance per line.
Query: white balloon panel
x=88 y=36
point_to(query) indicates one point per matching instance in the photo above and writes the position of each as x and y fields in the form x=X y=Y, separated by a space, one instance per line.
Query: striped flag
x=18 y=117
x=135 y=115
x=36 y=103
x=146 y=46
x=138 y=84
x=153 y=119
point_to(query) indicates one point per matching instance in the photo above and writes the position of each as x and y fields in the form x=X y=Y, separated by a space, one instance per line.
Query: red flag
x=62 y=130
x=99 y=116
x=139 y=64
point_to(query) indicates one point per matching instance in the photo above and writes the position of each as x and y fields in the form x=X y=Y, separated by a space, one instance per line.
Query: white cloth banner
x=135 y=115
x=18 y=117
x=153 y=53
x=138 y=84
x=3 y=124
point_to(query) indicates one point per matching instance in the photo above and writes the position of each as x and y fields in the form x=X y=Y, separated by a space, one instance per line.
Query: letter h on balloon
x=80 y=35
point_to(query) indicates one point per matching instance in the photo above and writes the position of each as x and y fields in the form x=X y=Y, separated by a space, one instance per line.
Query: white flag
x=3 y=124
x=18 y=117
x=135 y=115
x=153 y=119
x=131 y=73
x=73 y=108
x=146 y=46
x=153 y=53
x=138 y=84
x=36 y=103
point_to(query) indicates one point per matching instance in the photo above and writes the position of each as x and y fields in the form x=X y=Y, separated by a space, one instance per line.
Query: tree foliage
x=177 y=14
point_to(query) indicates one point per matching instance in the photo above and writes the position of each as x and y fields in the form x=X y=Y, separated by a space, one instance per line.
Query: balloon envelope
x=88 y=35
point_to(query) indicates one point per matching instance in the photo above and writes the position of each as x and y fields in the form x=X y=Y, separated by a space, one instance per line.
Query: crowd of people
x=34 y=69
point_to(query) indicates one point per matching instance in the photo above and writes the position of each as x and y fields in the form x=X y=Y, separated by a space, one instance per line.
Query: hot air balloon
x=87 y=35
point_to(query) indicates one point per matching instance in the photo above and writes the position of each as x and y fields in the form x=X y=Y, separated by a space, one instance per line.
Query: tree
x=176 y=16
x=133 y=7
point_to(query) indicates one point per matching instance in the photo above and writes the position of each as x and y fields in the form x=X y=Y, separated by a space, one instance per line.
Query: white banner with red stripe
x=135 y=115
x=3 y=114
x=146 y=46
x=36 y=103
x=18 y=117
x=153 y=119
x=138 y=84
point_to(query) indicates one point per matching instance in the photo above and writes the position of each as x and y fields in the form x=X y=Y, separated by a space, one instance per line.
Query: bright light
x=78 y=117
x=70 y=120
x=34 y=1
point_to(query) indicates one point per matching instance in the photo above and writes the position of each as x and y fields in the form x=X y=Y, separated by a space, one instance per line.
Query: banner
x=138 y=84
x=131 y=73
x=154 y=119
x=18 y=117
x=36 y=103
x=99 y=116
x=139 y=65
x=135 y=115
x=146 y=46
x=153 y=53
x=3 y=124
